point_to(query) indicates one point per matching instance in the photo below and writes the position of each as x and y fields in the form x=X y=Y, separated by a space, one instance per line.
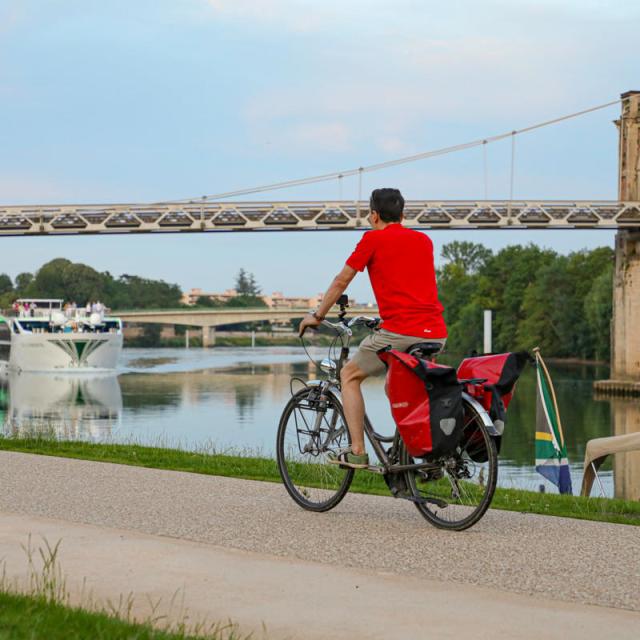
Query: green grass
x=25 y=617
x=265 y=469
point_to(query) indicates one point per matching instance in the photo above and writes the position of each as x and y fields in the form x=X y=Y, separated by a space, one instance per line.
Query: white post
x=186 y=338
x=488 y=347
x=253 y=339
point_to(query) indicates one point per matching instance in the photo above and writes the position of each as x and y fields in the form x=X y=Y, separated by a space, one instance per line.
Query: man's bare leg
x=351 y=378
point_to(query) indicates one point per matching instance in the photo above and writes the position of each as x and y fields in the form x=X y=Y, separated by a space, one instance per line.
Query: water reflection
x=74 y=406
x=237 y=406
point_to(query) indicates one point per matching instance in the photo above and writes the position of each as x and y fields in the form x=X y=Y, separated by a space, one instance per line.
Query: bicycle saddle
x=424 y=349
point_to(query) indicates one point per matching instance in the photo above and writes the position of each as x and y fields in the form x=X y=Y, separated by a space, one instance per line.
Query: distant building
x=191 y=297
x=277 y=300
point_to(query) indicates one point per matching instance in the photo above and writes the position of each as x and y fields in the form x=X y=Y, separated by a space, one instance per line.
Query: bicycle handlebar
x=343 y=327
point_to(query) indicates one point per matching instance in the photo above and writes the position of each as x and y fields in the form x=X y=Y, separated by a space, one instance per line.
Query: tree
x=245 y=301
x=48 y=282
x=466 y=334
x=598 y=310
x=61 y=278
x=547 y=311
x=470 y=256
x=206 y=301
x=7 y=299
x=23 y=280
x=502 y=285
x=539 y=298
x=82 y=284
x=133 y=292
x=248 y=292
x=246 y=284
x=6 y=286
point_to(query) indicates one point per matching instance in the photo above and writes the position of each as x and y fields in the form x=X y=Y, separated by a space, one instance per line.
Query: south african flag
x=551 y=450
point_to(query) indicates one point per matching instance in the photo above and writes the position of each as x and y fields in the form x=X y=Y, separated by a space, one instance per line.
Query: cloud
x=393 y=85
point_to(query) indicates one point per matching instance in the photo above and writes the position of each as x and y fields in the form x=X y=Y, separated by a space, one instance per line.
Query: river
x=230 y=399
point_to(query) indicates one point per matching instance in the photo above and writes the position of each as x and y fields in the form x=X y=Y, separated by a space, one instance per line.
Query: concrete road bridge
x=208 y=319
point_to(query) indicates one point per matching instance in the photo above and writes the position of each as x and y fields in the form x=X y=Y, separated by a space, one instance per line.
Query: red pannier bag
x=500 y=372
x=426 y=403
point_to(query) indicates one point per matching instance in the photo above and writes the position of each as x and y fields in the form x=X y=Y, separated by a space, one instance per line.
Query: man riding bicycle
x=402 y=273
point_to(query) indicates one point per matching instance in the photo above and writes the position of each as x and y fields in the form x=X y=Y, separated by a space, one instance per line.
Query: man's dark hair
x=389 y=203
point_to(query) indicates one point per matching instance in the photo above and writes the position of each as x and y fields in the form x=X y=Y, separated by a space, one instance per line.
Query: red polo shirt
x=402 y=274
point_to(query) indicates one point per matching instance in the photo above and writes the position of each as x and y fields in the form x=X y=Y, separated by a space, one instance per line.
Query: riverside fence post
x=487 y=331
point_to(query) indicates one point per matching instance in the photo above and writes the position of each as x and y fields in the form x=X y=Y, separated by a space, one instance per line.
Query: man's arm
x=335 y=290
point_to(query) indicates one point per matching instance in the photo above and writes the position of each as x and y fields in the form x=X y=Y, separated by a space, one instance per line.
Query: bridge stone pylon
x=625 y=334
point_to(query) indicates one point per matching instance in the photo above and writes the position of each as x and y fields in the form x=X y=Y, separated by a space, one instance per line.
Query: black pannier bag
x=500 y=372
x=426 y=403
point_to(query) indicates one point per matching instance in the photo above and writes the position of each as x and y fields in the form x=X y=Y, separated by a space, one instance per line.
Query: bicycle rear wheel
x=310 y=427
x=458 y=493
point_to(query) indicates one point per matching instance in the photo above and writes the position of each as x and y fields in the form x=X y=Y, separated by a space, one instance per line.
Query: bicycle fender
x=332 y=388
x=482 y=412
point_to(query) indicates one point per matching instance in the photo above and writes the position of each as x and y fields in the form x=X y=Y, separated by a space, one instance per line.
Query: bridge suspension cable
x=359 y=171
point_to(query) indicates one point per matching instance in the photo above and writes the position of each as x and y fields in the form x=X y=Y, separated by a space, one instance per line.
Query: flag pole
x=553 y=392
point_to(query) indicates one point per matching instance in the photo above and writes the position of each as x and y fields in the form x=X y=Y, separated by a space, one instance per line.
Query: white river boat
x=47 y=338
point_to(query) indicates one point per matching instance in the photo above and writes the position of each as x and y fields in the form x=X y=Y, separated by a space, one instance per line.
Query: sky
x=148 y=100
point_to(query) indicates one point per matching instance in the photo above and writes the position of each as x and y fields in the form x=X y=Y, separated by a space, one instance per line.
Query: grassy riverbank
x=265 y=469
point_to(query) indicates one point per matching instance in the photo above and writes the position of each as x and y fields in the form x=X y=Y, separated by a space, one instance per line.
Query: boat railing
x=72 y=315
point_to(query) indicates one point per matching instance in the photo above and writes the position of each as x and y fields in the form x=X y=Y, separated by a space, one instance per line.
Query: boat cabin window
x=44 y=326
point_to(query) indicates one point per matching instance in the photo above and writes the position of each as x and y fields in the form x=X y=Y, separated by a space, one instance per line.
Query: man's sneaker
x=346 y=458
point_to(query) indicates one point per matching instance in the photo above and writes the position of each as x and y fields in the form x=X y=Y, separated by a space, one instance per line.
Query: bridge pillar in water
x=625 y=336
x=208 y=337
x=625 y=417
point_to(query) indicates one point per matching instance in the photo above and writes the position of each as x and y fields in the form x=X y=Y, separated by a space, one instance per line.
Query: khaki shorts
x=367 y=357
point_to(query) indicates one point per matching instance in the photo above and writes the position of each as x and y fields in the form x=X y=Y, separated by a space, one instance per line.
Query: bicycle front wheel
x=457 y=493
x=311 y=426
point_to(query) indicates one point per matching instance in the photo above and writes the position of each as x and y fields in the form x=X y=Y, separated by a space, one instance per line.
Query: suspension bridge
x=211 y=214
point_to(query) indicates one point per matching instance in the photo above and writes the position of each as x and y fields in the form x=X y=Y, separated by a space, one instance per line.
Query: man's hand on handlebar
x=309 y=321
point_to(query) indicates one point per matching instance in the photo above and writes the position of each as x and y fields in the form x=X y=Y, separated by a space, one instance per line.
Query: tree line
x=80 y=283
x=73 y=281
x=561 y=303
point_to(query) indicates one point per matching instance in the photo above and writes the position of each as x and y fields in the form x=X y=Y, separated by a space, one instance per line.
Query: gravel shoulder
x=554 y=558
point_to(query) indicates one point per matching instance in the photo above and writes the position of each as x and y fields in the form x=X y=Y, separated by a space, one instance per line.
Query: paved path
x=296 y=598
x=382 y=539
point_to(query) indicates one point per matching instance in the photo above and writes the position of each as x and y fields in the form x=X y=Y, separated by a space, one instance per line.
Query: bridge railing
x=265 y=216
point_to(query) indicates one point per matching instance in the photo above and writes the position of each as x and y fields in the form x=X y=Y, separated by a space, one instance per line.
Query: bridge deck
x=199 y=317
x=285 y=216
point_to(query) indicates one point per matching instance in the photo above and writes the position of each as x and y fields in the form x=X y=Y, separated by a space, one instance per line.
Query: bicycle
x=451 y=492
